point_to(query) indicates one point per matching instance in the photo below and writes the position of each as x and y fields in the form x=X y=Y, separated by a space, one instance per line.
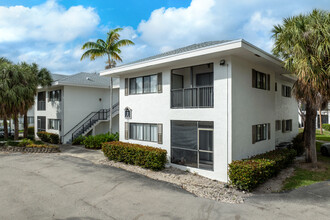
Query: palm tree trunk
x=321 y=130
x=5 y=127
x=309 y=134
x=16 y=126
x=25 y=125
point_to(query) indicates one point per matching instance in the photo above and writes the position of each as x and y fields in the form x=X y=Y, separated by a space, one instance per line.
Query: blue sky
x=52 y=32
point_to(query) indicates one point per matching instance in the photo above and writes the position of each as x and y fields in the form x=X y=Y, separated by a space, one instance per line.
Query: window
x=260 y=132
x=286 y=125
x=144 y=132
x=30 y=120
x=55 y=95
x=145 y=84
x=286 y=91
x=192 y=144
x=260 y=80
x=278 y=125
x=54 y=124
x=41 y=105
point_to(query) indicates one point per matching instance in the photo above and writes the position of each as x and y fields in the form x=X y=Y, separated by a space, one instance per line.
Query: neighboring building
x=324 y=115
x=76 y=105
x=207 y=104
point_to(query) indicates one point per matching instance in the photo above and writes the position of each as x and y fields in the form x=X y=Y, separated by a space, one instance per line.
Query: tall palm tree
x=5 y=66
x=303 y=42
x=110 y=48
x=34 y=77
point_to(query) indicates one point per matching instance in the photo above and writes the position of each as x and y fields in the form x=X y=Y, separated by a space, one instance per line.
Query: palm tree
x=34 y=77
x=303 y=43
x=5 y=66
x=110 y=48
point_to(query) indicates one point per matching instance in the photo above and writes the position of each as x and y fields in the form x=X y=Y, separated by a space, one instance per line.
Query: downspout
x=110 y=121
x=227 y=121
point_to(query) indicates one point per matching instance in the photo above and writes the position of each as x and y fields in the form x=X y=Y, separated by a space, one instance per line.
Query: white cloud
x=48 y=22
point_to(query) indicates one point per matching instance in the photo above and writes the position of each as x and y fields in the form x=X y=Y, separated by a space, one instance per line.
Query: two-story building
x=207 y=104
x=76 y=105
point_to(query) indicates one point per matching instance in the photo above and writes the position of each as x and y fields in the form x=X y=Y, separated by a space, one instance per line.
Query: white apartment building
x=207 y=104
x=76 y=105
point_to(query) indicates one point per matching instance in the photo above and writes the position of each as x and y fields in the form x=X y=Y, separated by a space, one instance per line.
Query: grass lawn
x=305 y=176
x=321 y=137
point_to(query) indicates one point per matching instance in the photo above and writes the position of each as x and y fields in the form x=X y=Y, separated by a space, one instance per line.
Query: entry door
x=205 y=146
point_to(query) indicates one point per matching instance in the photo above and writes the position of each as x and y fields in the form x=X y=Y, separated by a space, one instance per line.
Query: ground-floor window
x=54 y=124
x=144 y=132
x=41 y=126
x=260 y=132
x=192 y=144
x=286 y=125
x=30 y=120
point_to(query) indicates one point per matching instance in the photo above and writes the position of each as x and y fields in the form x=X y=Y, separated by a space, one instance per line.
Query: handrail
x=113 y=106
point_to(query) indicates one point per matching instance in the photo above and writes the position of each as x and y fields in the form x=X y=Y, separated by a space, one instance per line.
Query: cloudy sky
x=52 y=32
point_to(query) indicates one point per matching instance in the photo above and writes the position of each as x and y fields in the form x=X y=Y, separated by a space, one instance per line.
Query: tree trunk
x=321 y=130
x=25 y=125
x=5 y=127
x=16 y=126
x=309 y=134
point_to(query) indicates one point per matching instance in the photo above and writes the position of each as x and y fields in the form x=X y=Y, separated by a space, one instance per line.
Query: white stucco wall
x=155 y=108
x=286 y=108
x=75 y=105
x=252 y=106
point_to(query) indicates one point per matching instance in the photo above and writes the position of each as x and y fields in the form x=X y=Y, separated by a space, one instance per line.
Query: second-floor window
x=54 y=124
x=41 y=105
x=286 y=91
x=260 y=80
x=143 y=84
x=55 y=95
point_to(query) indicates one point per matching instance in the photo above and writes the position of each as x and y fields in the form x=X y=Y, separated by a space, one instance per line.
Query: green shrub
x=79 y=140
x=49 y=137
x=31 y=131
x=298 y=144
x=95 y=142
x=281 y=157
x=38 y=142
x=25 y=142
x=31 y=137
x=249 y=173
x=143 y=156
x=12 y=143
x=326 y=127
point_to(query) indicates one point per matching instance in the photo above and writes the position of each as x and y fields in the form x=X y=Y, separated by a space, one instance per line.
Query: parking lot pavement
x=57 y=186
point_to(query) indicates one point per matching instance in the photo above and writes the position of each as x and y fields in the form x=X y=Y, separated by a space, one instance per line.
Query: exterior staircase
x=90 y=121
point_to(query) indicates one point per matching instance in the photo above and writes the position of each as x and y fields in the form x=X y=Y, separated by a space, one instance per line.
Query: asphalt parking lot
x=57 y=186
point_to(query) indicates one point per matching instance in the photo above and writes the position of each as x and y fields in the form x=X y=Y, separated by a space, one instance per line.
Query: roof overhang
x=239 y=48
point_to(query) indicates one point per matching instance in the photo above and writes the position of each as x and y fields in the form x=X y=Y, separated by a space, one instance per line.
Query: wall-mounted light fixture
x=222 y=62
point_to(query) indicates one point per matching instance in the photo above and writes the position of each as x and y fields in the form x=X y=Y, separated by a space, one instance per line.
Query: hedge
x=95 y=142
x=135 y=154
x=249 y=173
x=326 y=127
x=30 y=131
x=49 y=137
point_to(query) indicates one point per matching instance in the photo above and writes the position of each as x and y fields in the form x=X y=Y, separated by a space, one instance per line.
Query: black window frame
x=263 y=84
x=261 y=132
x=145 y=79
x=55 y=95
x=286 y=91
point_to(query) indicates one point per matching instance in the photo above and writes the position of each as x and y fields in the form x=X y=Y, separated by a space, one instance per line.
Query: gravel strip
x=198 y=185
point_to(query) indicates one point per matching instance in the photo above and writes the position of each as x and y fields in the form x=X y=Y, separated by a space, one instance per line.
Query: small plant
x=139 y=155
x=79 y=140
x=25 y=142
x=95 y=142
x=326 y=127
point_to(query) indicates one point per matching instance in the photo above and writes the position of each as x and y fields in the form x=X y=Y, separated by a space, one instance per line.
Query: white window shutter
x=160 y=82
x=126 y=131
x=126 y=87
